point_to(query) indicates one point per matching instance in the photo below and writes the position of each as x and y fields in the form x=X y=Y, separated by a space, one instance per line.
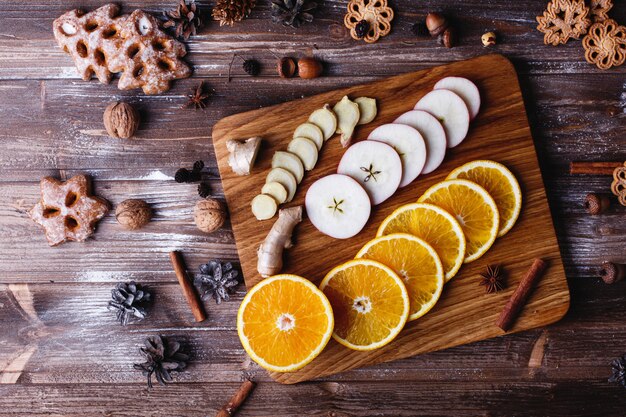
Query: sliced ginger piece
x=367 y=109
x=276 y=190
x=243 y=153
x=284 y=178
x=263 y=207
x=325 y=119
x=347 y=112
x=310 y=131
x=306 y=150
x=290 y=162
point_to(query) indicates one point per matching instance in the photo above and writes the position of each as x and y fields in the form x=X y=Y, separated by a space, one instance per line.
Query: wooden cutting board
x=464 y=313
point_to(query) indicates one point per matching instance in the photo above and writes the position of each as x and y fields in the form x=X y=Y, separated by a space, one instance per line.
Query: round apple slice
x=408 y=143
x=433 y=134
x=465 y=89
x=375 y=165
x=337 y=206
x=451 y=112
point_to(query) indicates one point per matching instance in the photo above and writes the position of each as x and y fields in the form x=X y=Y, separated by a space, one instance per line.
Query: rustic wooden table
x=63 y=353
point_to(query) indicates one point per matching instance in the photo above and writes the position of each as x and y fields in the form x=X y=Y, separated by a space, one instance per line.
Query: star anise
x=493 y=279
x=197 y=98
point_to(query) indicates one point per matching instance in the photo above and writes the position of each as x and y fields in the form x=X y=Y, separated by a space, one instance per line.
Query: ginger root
x=270 y=253
x=243 y=154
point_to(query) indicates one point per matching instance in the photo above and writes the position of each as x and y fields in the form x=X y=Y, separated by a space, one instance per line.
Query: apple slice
x=310 y=131
x=290 y=162
x=433 y=134
x=306 y=150
x=465 y=89
x=284 y=178
x=337 y=206
x=451 y=112
x=325 y=119
x=375 y=165
x=276 y=190
x=408 y=143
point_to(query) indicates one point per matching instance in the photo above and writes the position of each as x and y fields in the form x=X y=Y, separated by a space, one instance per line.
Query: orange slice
x=284 y=322
x=435 y=226
x=370 y=303
x=473 y=208
x=416 y=262
x=500 y=183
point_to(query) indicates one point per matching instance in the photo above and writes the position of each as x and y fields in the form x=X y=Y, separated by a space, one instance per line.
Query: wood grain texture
x=463 y=314
x=51 y=124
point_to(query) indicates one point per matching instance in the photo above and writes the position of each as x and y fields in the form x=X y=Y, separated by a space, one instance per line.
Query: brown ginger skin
x=209 y=215
x=309 y=68
x=133 y=214
x=121 y=120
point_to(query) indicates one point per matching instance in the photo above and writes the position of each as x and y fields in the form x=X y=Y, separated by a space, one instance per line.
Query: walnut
x=209 y=215
x=133 y=214
x=121 y=120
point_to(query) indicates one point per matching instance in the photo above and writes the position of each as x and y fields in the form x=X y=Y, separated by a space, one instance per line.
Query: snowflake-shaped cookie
x=599 y=9
x=563 y=20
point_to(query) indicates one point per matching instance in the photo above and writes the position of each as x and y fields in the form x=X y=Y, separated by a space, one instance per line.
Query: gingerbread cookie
x=563 y=20
x=102 y=42
x=599 y=9
x=377 y=14
x=66 y=211
x=618 y=186
x=605 y=44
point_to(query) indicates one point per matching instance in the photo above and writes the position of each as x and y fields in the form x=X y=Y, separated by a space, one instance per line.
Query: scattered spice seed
x=618 y=368
x=252 y=67
x=611 y=272
x=493 y=279
x=197 y=98
x=596 y=204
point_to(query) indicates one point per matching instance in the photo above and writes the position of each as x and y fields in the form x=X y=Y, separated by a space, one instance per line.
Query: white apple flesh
x=451 y=112
x=376 y=166
x=433 y=134
x=465 y=89
x=337 y=206
x=408 y=143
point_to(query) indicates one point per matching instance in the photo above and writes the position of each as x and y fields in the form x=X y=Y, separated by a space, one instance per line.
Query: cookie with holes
x=66 y=210
x=103 y=42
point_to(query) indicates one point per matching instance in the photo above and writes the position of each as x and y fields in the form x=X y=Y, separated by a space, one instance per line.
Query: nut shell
x=448 y=38
x=209 y=215
x=133 y=214
x=286 y=67
x=488 y=39
x=436 y=24
x=309 y=68
x=121 y=120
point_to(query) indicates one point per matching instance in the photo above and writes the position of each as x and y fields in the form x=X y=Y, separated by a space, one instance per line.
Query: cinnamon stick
x=593 y=168
x=237 y=399
x=188 y=290
x=520 y=295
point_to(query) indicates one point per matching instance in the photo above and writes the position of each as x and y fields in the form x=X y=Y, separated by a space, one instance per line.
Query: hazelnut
x=448 y=38
x=209 y=215
x=436 y=24
x=133 y=214
x=488 y=39
x=309 y=68
x=121 y=120
x=286 y=67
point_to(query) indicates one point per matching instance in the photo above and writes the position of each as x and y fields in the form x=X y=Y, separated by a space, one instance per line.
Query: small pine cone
x=252 y=67
x=362 y=28
x=227 y=12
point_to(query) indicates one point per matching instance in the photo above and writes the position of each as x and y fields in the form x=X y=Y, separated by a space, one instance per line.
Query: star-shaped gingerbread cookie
x=66 y=210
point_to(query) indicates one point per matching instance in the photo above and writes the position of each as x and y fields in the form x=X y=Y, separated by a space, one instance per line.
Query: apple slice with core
x=433 y=134
x=310 y=131
x=290 y=162
x=306 y=150
x=375 y=165
x=284 y=178
x=408 y=143
x=337 y=206
x=451 y=112
x=465 y=89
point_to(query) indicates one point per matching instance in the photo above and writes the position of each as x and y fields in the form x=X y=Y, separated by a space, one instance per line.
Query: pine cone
x=217 y=279
x=292 y=12
x=227 y=12
x=130 y=300
x=185 y=18
x=162 y=357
